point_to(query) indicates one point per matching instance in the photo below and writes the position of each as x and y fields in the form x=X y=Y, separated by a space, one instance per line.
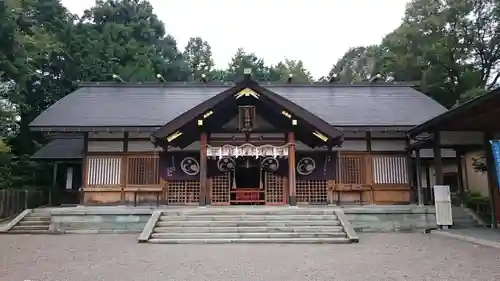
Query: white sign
x=442 y=202
x=247 y=150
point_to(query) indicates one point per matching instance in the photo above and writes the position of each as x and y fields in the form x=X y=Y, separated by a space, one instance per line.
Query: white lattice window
x=103 y=170
x=390 y=170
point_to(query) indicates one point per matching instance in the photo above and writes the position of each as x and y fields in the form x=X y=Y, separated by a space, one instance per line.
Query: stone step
x=37 y=231
x=34 y=222
x=250 y=218
x=249 y=229
x=40 y=211
x=249 y=211
x=248 y=223
x=246 y=235
x=30 y=227
x=334 y=240
x=37 y=218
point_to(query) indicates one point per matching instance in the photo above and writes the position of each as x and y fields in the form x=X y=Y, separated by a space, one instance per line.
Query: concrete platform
x=129 y=219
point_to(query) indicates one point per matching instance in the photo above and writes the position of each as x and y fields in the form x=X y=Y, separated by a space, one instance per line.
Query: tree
x=357 y=64
x=451 y=47
x=45 y=49
x=282 y=70
x=242 y=60
x=198 y=55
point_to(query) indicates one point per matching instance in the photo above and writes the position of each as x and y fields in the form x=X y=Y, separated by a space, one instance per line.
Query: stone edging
x=466 y=238
x=351 y=234
x=150 y=225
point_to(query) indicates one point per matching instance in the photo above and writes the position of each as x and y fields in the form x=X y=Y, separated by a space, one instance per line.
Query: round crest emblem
x=190 y=166
x=306 y=166
x=270 y=164
x=226 y=164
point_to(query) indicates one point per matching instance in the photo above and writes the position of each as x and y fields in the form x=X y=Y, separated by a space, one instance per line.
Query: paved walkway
x=479 y=235
x=388 y=256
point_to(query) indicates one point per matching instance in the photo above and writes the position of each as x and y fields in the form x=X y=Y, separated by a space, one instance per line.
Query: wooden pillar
x=125 y=169
x=292 y=200
x=438 y=160
x=85 y=179
x=428 y=192
x=409 y=171
x=54 y=174
x=492 y=177
x=460 y=175
x=204 y=199
x=420 y=197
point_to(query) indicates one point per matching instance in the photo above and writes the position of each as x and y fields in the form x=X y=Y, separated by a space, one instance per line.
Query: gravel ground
x=394 y=256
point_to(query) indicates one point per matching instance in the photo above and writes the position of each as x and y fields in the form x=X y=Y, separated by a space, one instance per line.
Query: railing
x=14 y=201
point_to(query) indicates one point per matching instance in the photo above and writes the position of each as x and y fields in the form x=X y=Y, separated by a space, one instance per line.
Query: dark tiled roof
x=457 y=117
x=155 y=105
x=61 y=149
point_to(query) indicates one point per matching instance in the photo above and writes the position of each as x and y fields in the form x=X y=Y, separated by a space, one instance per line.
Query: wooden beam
x=428 y=191
x=460 y=175
x=85 y=182
x=292 y=201
x=126 y=139
x=420 y=197
x=368 y=141
x=409 y=169
x=119 y=139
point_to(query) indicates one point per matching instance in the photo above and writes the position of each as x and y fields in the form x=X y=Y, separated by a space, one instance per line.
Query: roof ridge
x=230 y=84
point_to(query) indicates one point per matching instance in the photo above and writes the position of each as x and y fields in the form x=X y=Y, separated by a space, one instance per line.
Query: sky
x=318 y=32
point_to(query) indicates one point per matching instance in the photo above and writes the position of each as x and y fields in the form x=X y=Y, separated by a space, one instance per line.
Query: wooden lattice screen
x=352 y=169
x=312 y=191
x=183 y=192
x=220 y=189
x=275 y=188
x=143 y=170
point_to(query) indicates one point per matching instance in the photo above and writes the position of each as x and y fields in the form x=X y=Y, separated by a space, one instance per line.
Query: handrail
x=349 y=230
x=16 y=220
x=150 y=225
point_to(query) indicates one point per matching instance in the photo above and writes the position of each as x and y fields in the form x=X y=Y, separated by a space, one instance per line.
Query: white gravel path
x=394 y=256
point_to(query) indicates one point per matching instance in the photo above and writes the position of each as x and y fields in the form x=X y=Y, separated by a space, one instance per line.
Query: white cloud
x=315 y=31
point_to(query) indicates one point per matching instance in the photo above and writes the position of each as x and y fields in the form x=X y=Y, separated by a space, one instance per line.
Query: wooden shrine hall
x=240 y=143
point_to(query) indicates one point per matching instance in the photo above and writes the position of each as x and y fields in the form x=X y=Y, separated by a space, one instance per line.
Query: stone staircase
x=464 y=218
x=36 y=222
x=249 y=225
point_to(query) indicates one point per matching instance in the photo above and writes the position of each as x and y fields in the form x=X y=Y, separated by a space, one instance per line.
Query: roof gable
x=223 y=102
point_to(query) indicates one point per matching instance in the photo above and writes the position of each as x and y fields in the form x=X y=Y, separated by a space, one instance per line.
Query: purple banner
x=315 y=165
x=309 y=166
x=180 y=165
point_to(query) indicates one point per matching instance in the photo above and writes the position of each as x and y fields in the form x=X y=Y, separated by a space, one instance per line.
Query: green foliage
x=452 y=48
x=198 y=55
x=479 y=164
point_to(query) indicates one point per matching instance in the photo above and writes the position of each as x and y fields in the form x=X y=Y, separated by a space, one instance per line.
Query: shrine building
x=243 y=143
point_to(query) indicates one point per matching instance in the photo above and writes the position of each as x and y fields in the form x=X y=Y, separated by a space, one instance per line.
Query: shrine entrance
x=248 y=188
